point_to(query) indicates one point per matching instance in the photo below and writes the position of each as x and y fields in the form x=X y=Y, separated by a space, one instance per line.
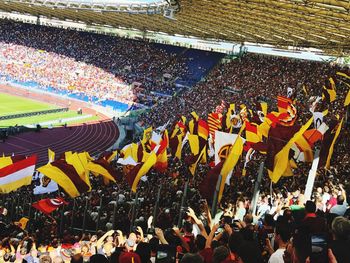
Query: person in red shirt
x=129 y=256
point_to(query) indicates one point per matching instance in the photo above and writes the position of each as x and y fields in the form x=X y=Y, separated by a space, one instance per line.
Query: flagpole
x=73 y=210
x=216 y=195
x=133 y=213
x=99 y=213
x=155 y=211
x=61 y=221
x=183 y=200
x=5 y=205
x=29 y=213
x=257 y=188
x=85 y=211
x=13 y=203
x=312 y=175
x=115 y=211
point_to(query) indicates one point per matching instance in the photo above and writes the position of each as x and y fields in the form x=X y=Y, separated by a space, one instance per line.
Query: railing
x=28 y=114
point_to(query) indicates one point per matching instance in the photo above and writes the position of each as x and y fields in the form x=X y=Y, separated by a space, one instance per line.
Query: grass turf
x=14 y=105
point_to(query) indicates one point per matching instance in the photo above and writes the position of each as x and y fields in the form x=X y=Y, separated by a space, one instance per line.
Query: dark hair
x=220 y=254
x=249 y=252
x=310 y=207
x=235 y=241
x=153 y=242
x=98 y=258
x=302 y=246
x=340 y=200
x=144 y=251
x=188 y=227
x=283 y=231
x=268 y=219
x=191 y=258
x=200 y=242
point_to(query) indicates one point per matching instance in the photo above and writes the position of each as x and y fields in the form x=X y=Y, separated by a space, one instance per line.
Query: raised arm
x=183 y=242
x=211 y=236
x=102 y=239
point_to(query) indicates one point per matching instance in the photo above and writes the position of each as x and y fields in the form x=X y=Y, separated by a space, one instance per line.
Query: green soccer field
x=15 y=105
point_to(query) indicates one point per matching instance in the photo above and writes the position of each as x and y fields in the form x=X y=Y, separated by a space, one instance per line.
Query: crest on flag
x=223 y=145
x=46 y=185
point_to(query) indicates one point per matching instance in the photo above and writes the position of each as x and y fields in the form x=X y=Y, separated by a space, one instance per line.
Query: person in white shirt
x=325 y=197
x=282 y=236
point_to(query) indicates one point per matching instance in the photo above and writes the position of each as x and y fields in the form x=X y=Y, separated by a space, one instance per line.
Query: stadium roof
x=322 y=24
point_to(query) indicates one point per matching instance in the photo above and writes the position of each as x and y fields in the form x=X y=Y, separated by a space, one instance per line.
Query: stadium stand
x=160 y=198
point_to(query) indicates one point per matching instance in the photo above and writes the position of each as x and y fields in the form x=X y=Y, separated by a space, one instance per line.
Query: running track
x=92 y=137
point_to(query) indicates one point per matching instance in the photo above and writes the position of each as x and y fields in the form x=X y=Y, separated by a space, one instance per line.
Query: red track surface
x=93 y=137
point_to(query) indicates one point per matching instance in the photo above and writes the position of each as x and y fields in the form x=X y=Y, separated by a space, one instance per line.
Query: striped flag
x=287 y=111
x=162 y=155
x=203 y=129
x=17 y=174
x=230 y=162
x=48 y=205
x=328 y=143
x=140 y=170
x=281 y=159
x=66 y=176
x=252 y=132
x=328 y=92
x=214 y=123
x=102 y=167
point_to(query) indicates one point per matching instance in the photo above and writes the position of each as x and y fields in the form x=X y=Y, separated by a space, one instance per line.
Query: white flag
x=46 y=185
x=223 y=142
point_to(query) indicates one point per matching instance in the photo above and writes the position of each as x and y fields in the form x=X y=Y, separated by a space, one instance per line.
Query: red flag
x=203 y=129
x=207 y=186
x=48 y=205
x=214 y=123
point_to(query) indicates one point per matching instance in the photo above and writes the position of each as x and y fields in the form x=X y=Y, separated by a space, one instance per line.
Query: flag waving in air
x=66 y=176
x=17 y=173
x=328 y=92
x=48 y=205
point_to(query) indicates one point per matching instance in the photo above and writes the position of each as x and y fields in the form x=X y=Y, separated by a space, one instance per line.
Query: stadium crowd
x=285 y=227
x=94 y=65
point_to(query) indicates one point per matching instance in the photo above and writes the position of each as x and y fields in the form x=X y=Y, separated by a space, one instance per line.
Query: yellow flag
x=282 y=157
x=130 y=150
x=79 y=163
x=113 y=155
x=5 y=161
x=60 y=178
x=343 y=75
x=263 y=106
x=152 y=159
x=51 y=155
x=147 y=135
x=305 y=90
x=194 y=143
x=193 y=166
x=98 y=169
x=179 y=146
x=330 y=153
x=230 y=163
x=347 y=99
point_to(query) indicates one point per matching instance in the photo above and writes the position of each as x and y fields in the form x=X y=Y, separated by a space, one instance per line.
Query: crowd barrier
x=29 y=114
